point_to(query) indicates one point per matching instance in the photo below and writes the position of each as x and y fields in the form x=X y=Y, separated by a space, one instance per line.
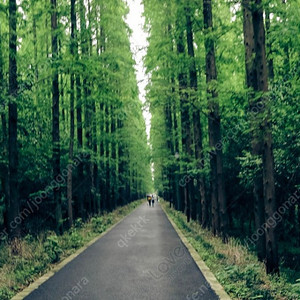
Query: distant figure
x=149 y=198
x=152 y=200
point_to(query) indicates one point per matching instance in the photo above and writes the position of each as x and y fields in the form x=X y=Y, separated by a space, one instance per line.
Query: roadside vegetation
x=38 y=254
x=236 y=268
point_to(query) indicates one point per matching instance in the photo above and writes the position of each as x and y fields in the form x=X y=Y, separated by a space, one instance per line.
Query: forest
x=224 y=99
x=73 y=139
x=223 y=94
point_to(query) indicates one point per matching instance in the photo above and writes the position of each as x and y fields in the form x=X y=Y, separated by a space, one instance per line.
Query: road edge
x=207 y=273
x=36 y=284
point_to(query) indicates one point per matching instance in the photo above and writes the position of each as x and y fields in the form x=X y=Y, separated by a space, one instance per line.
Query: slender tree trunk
x=113 y=175
x=122 y=171
x=107 y=159
x=176 y=170
x=102 y=155
x=79 y=145
x=272 y=260
x=14 y=205
x=263 y=125
x=251 y=79
x=79 y=97
x=55 y=119
x=214 y=117
x=95 y=183
x=92 y=167
x=87 y=112
x=196 y=120
x=72 y=131
x=102 y=134
x=4 y=139
x=185 y=123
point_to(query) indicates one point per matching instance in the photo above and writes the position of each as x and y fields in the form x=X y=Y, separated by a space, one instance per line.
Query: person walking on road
x=152 y=200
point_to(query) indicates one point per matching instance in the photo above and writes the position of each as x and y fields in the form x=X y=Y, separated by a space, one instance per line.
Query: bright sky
x=138 y=40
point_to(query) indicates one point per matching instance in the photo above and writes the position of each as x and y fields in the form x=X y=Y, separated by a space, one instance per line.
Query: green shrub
x=53 y=248
x=98 y=225
x=74 y=239
x=78 y=223
x=5 y=293
x=296 y=288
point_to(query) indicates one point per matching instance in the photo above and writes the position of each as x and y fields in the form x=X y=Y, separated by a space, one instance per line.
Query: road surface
x=141 y=258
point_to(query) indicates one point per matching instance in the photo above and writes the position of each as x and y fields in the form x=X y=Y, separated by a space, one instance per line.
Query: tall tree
x=257 y=78
x=196 y=121
x=272 y=261
x=4 y=138
x=72 y=129
x=256 y=144
x=55 y=117
x=218 y=197
x=13 y=204
x=186 y=134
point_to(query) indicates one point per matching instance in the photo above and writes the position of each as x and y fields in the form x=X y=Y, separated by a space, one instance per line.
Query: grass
x=236 y=268
x=37 y=255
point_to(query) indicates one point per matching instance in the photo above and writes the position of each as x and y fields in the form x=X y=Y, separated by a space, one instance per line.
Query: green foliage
x=296 y=287
x=53 y=248
x=6 y=294
x=241 y=122
x=98 y=225
x=250 y=168
x=74 y=240
x=114 y=138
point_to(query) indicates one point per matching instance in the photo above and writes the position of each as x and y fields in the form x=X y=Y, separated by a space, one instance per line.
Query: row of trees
x=73 y=139
x=223 y=97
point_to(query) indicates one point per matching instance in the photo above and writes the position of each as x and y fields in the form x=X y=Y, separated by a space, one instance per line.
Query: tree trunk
x=55 y=119
x=79 y=145
x=13 y=201
x=251 y=80
x=185 y=123
x=72 y=96
x=272 y=262
x=102 y=155
x=263 y=125
x=213 y=106
x=87 y=113
x=107 y=158
x=4 y=139
x=196 y=121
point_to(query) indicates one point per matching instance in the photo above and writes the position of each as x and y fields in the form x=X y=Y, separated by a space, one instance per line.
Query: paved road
x=141 y=258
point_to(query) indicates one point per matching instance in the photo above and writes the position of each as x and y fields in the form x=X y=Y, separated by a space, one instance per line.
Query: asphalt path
x=140 y=258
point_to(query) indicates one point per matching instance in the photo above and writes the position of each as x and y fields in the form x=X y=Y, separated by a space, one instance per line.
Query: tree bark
x=218 y=196
x=272 y=260
x=72 y=131
x=185 y=124
x=196 y=121
x=87 y=112
x=13 y=201
x=4 y=138
x=256 y=144
x=55 y=119
x=79 y=145
x=263 y=125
